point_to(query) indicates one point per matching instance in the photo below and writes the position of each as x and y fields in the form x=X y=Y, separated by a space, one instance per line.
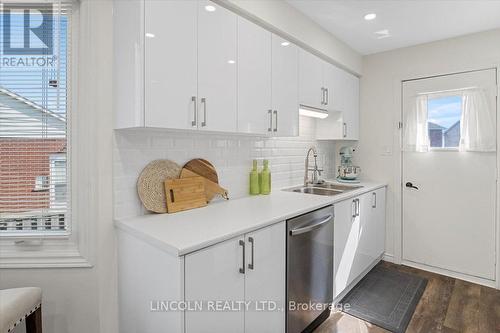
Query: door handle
x=242 y=268
x=270 y=113
x=374 y=205
x=327 y=99
x=322 y=96
x=357 y=207
x=314 y=225
x=204 y=102
x=276 y=120
x=344 y=129
x=251 y=264
x=195 y=115
x=410 y=185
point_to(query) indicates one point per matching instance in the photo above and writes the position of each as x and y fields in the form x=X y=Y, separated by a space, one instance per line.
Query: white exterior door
x=170 y=64
x=217 y=68
x=449 y=213
x=254 y=78
x=266 y=280
x=213 y=274
x=285 y=87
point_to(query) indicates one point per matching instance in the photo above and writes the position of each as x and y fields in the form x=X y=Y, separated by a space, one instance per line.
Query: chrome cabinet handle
x=251 y=265
x=354 y=208
x=374 y=205
x=327 y=99
x=344 y=129
x=276 y=121
x=314 y=225
x=195 y=115
x=270 y=113
x=242 y=268
x=204 y=102
x=358 y=206
x=322 y=96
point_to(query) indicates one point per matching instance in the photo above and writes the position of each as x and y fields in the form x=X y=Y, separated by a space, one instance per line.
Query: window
x=34 y=117
x=444 y=114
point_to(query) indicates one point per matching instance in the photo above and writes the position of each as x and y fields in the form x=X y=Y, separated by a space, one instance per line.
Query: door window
x=444 y=114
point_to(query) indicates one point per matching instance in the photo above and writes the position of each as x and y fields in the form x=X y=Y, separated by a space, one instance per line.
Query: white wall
x=83 y=300
x=378 y=153
x=284 y=19
x=231 y=155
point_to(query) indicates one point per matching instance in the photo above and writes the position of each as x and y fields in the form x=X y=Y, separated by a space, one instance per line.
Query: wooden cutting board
x=205 y=169
x=185 y=193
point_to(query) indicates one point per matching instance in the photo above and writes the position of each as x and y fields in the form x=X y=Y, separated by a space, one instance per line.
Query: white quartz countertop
x=188 y=231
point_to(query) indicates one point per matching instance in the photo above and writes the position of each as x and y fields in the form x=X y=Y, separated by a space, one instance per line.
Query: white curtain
x=477 y=125
x=416 y=134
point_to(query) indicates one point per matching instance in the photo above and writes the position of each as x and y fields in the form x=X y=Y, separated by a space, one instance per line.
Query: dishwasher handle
x=314 y=225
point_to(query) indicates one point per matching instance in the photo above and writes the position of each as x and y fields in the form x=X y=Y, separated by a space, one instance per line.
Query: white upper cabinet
x=170 y=72
x=351 y=110
x=285 y=87
x=217 y=68
x=311 y=87
x=254 y=78
x=334 y=82
x=128 y=64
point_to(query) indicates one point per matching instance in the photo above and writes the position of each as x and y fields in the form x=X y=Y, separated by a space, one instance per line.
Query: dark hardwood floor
x=448 y=305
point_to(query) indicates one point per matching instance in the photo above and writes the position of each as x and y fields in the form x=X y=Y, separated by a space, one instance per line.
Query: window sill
x=60 y=253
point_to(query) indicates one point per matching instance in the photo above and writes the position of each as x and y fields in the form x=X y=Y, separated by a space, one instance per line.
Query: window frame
x=70 y=248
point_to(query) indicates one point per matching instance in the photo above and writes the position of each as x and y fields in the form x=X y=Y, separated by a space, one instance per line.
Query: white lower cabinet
x=250 y=269
x=359 y=237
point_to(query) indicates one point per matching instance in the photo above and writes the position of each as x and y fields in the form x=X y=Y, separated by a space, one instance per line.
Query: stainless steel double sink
x=326 y=188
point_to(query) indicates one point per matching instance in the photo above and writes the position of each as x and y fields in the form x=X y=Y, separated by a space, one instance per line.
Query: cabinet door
x=170 y=63
x=366 y=252
x=265 y=280
x=217 y=69
x=254 y=78
x=351 y=110
x=346 y=241
x=285 y=91
x=311 y=80
x=378 y=203
x=334 y=82
x=213 y=274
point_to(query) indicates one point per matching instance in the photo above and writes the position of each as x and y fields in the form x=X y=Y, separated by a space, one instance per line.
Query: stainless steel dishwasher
x=309 y=269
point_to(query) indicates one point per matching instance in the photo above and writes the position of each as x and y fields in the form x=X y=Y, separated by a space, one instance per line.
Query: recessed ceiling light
x=382 y=34
x=370 y=16
x=210 y=8
x=231 y=62
x=285 y=43
x=150 y=35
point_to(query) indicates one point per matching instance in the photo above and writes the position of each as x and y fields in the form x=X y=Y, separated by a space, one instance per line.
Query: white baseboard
x=460 y=276
x=388 y=257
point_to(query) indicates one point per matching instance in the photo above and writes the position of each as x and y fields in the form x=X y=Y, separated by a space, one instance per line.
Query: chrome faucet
x=316 y=171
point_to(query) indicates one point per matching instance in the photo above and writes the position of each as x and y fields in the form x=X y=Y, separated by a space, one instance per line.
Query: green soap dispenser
x=254 y=180
x=265 y=179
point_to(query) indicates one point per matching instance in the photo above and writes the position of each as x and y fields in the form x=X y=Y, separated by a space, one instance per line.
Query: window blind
x=35 y=111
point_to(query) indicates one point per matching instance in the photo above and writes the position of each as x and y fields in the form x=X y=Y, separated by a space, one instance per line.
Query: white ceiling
x=409 y=22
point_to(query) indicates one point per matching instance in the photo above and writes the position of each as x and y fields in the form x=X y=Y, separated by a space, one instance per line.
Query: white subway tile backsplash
x=231 y=155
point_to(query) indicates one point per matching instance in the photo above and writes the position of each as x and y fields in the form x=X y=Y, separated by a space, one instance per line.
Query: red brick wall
x=21 y=160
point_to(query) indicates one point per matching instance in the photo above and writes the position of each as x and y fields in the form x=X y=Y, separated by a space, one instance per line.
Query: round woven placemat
x=151 y=184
